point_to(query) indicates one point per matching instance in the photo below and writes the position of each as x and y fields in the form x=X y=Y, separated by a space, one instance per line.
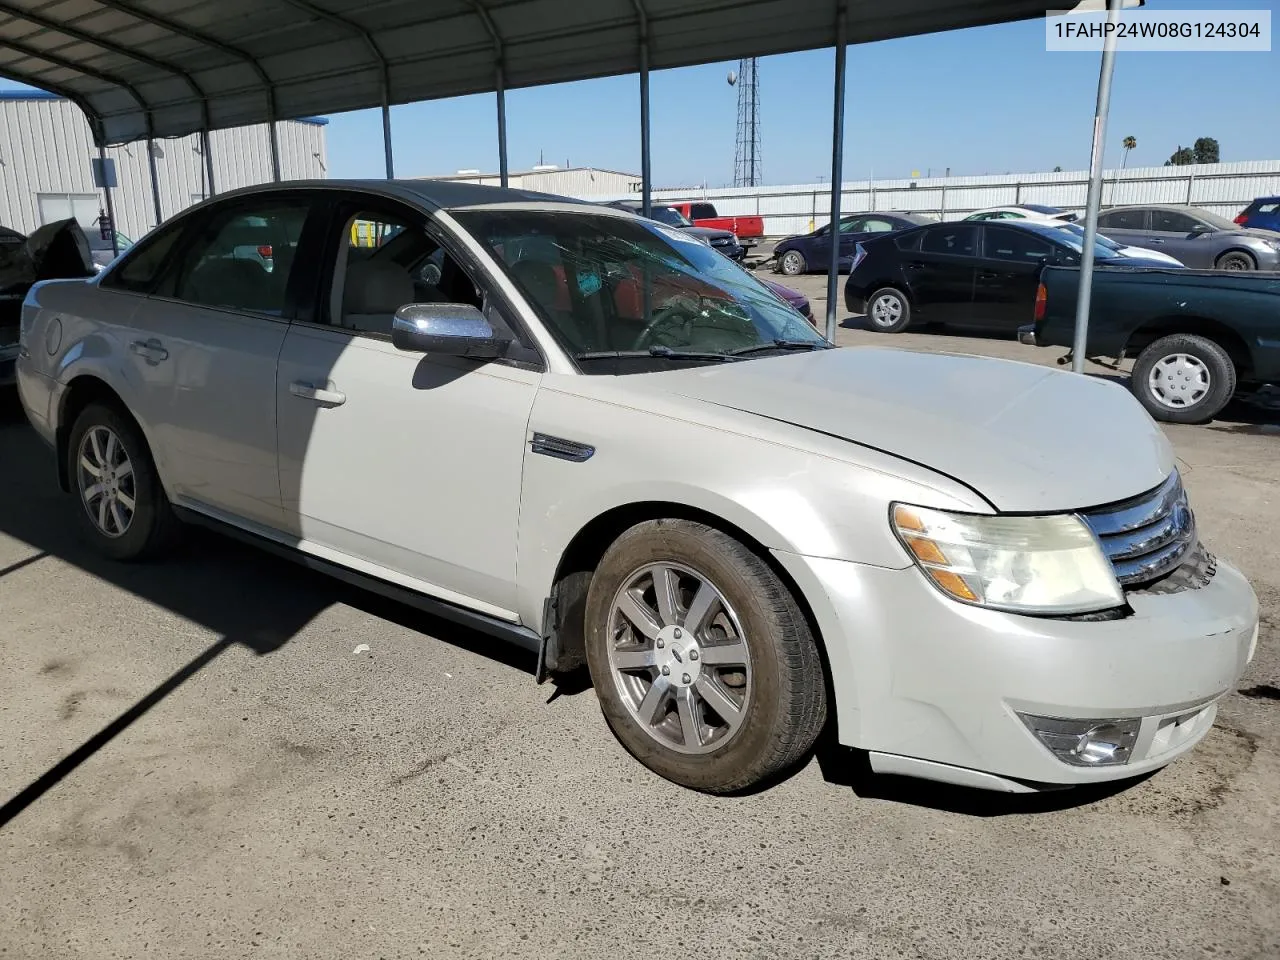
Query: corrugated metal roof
x=170 y=67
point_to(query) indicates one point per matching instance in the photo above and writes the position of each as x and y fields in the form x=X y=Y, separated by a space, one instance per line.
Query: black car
x=722 y=241
x=812 y=251
x=964 y=273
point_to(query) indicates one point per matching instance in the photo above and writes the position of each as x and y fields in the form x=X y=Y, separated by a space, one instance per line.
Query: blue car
x=1262 y=214
x=812 y=252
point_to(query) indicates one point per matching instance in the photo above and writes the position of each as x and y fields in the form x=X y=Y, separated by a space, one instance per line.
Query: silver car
x=594 y=436
x=1198 y=238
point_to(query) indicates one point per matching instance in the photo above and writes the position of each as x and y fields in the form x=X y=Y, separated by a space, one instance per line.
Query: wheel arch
x=585 y=549
x=1245 y=251
x=1236 y=346
x=84 y=389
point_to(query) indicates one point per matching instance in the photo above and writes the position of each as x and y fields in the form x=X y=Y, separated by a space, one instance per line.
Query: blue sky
x=986 y=100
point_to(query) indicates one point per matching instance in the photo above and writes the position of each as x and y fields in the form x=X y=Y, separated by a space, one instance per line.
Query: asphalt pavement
x=224 y=755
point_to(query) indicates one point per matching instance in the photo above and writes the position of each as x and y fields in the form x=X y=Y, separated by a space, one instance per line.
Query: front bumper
x=936 y=688
x=1027 y=335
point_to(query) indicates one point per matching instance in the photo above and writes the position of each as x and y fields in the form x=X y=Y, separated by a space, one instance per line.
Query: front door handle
x=990 y=276
x=1154 y=240
x=915 y=265
x=152 y=350
x=309 y=391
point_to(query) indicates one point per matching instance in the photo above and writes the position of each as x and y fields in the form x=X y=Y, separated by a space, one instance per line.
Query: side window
x=909 y=242
x=702 y=211
x=243 y=257
x=1020 y=245
x=851 y=226
x=876 y=225
x=957 y=239
x=1268 y=208
x=385 y=261
x=143 y=267
x=1170 y=221
x=1124 y=220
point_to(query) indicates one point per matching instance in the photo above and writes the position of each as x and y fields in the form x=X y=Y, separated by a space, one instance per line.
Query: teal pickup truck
x=1199 y=337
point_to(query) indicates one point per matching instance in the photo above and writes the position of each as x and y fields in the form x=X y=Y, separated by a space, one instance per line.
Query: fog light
x=1086 y=743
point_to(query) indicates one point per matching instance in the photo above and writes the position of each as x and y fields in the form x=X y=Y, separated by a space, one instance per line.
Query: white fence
x=1224 y=188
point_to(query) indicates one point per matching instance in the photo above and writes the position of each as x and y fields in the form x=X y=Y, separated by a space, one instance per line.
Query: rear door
x=204 y=348
x=1128 y=227
x=1171 y=233
x=941 y=273
x=1007 y=277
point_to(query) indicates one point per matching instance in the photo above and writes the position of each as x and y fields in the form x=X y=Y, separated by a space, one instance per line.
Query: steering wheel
x=677 y=315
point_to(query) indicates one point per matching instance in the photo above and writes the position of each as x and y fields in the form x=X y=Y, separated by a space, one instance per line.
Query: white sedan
x=587 y=433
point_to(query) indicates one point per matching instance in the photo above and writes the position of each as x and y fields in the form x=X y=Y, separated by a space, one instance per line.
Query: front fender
x=827 y=498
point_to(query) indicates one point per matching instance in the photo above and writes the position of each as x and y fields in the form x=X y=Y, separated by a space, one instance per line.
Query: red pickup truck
x=750 y=230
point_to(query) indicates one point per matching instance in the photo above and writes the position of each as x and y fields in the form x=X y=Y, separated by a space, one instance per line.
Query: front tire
x=888 y=310
x=123 y=512
x=1183 y=378
x=792 y=263
x=705 y=667
x=1235 y=260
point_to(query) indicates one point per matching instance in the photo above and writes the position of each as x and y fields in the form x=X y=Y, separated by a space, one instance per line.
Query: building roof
x=23 y=95
x=171 y=67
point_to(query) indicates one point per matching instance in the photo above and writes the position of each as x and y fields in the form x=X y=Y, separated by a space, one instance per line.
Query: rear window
x=1271 y=206
x=909 y=241
x=702 y=211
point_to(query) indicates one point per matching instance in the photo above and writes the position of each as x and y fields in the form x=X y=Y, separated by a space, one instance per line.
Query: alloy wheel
x=108 y=485
x=679 y=658
x=886 y=311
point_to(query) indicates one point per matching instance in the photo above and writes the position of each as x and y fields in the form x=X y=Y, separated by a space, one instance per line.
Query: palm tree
x=1128 y=143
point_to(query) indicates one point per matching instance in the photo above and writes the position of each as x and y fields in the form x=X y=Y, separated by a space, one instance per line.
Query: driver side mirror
x=1200 y=229
x=447 y=329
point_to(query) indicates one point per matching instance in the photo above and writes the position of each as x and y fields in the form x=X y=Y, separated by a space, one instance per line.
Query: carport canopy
x=166 y=68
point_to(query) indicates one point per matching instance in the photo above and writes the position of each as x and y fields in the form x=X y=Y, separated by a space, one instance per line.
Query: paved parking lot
x=195 y=761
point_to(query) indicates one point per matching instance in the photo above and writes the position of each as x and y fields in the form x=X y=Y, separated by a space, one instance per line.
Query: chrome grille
x=1148 y=536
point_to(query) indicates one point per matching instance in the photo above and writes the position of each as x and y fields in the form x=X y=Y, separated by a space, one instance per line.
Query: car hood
x=708 y=233
x=793 y=297
x=1027 y=438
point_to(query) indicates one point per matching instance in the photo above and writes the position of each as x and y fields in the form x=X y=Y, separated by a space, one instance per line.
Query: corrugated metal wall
x=46 y=147
x=1224 y=188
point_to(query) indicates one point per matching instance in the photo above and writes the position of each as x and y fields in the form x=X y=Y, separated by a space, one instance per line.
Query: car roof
x=432 y=194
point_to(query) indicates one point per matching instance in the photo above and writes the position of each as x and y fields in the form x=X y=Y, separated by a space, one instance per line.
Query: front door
x=204 y=348
x=854 y=231
x=403 y=465
x=1008 y=274
x=941 y=273
x=1171 y=233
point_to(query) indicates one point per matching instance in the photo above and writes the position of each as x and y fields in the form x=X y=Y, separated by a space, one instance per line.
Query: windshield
x=670 y=216
x=1214 y=220
x=611 y=288
x=1063 y=234
x=1077 y=238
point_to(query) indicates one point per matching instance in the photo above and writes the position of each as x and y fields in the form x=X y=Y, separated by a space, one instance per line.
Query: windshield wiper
x=780 y=344
x=666 y=353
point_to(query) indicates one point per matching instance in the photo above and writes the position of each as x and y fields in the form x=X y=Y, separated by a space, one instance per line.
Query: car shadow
x=274 y=598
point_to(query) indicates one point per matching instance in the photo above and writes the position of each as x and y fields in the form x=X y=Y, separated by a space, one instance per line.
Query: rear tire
x=792 y=263
x=1183 y=378
x=1235 y=260
x=744 y=696
x=888 y=310
x=122 y=509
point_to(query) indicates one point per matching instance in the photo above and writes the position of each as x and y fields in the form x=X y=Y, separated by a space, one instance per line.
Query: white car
x=1035 y=212
x=1137 y=253
x=592 y=435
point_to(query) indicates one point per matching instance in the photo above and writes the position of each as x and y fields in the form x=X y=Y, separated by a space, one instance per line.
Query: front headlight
x=1044 y=565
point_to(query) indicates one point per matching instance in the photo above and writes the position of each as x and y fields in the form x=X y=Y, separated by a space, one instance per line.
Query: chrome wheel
x=107 y=483
x=679 y=658
x=1179 y=380
x=886 y=310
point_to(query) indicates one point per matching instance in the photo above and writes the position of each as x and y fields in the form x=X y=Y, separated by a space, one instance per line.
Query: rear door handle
x=1154 y=240
x=915 y=265
x=309 y=391
x=152 y=350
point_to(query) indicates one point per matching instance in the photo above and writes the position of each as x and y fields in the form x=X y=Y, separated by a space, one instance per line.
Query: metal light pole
x=1094 y=200
x=837 y=176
